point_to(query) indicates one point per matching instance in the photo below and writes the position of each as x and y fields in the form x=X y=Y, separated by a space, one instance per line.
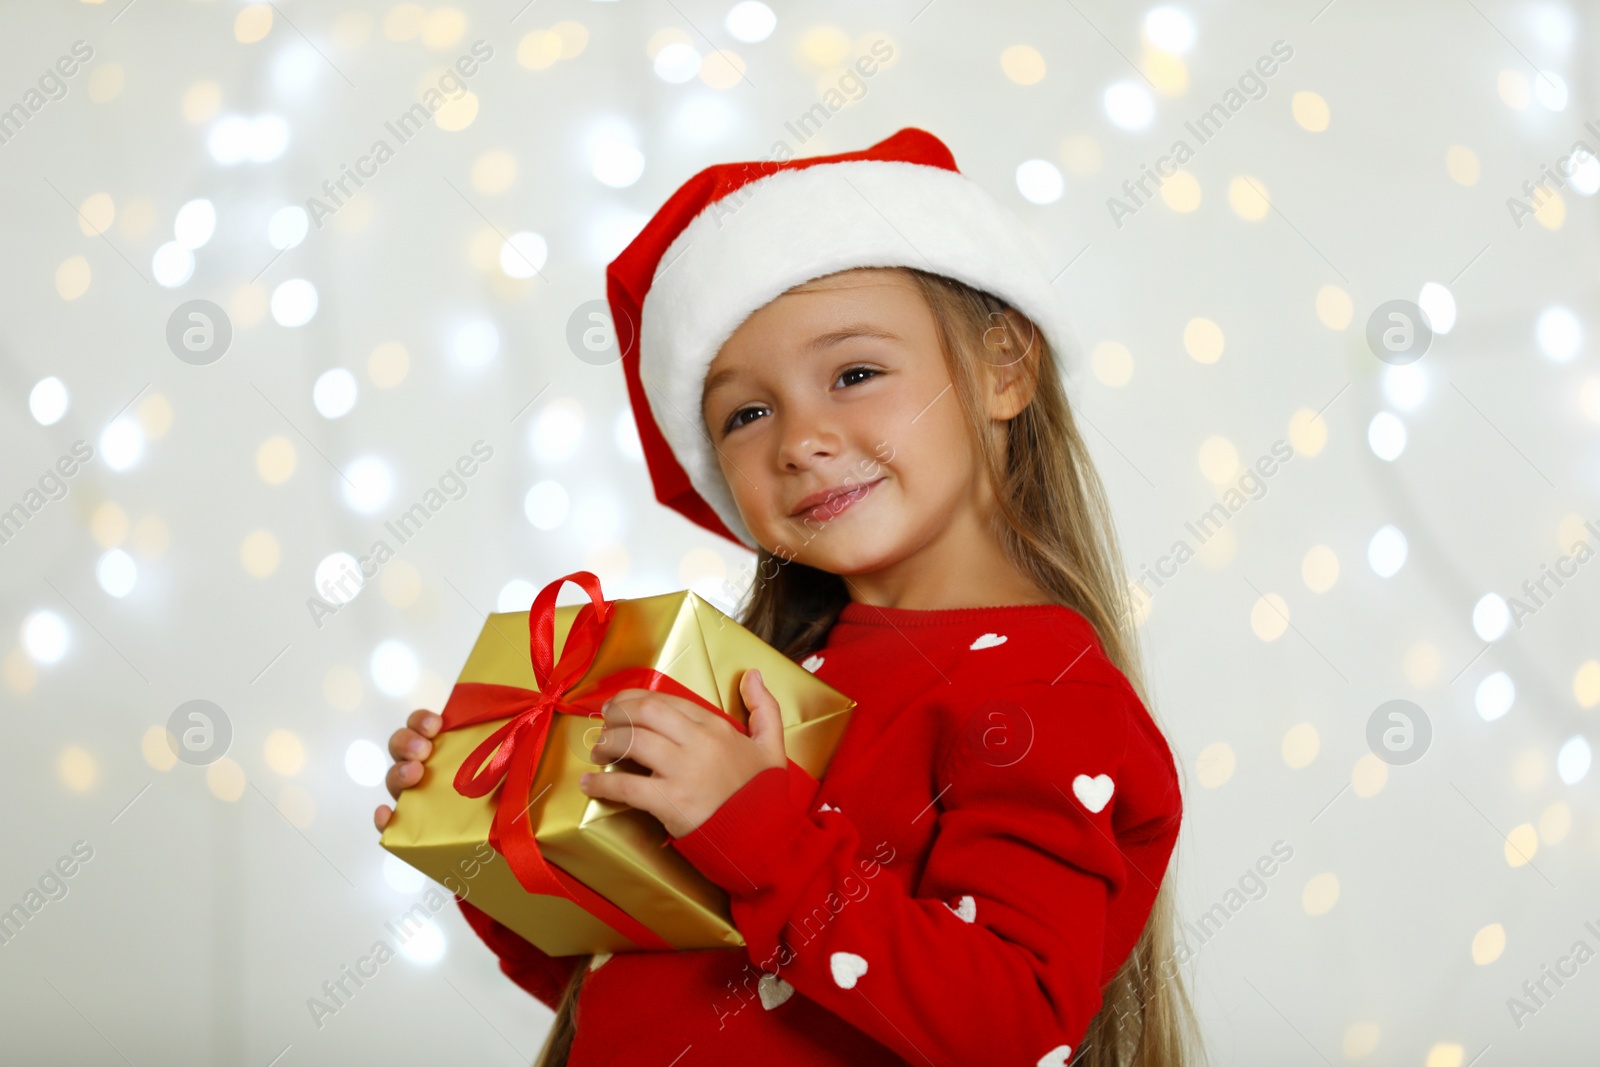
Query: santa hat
x=738 y=235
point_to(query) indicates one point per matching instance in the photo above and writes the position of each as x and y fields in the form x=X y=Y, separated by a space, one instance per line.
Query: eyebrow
x=817 y=343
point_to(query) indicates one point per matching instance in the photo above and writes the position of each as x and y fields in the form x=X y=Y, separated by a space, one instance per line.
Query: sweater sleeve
x=996 y=956
x=543 y=975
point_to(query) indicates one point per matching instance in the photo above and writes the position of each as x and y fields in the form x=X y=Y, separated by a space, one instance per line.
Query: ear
x=1011 y=363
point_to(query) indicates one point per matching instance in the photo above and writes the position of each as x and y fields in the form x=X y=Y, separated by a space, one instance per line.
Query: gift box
x=572 y=873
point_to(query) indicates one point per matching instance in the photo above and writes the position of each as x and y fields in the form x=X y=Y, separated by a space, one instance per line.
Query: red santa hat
x=737 y=235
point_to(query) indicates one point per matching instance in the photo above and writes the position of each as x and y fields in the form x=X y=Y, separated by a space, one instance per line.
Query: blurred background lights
x=1169 y=29
x=516 y=595
x=1405 y=385
x=1023 y=64
x=597 y=519
x=236 y=139
x=288 y=226
x=557 y=431
x=44 y=636
x=523 y=254
x=295 y=69
x=394 y=668
x=1560 y=334
x=338 y=578
x=1494 y=696
x=1551 y=23
x=1550 y=90
x=1129 y=105
x=625 y=434
x=751 y=21
x=334 y=393
x=1585 y=175
x=122 y=443
x=1386 y=435
x=294 y=302
x=1386 y=552
x=48 y=401
x=546 y=505
x=1491 y=615
x=1438 y=306
x=116 y=573
x=424 y=945
x=366 y=763
x=195 y=223
x=172 y=264
x=401 y=876
x=615 y=161
x=1039 y=181
x=701 y=119
x=676 y=63
x=475 y=342
x=1573 y=759
x=284 y=752
x=367 y=484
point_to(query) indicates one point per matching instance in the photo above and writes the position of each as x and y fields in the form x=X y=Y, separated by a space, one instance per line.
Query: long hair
x=1053 y=522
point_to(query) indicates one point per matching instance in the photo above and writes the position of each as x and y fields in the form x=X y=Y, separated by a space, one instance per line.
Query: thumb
x=766 y=721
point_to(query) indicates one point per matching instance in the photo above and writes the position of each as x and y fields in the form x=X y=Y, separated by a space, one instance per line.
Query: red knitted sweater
x=975 y=865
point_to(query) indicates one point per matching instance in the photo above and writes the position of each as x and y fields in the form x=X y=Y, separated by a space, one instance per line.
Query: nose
x=805 y=440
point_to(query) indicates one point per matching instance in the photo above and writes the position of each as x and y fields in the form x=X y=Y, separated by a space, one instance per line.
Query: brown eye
x=734 y=422
x=868 y=371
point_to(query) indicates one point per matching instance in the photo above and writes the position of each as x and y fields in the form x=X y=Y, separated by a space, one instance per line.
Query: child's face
x=804 y=399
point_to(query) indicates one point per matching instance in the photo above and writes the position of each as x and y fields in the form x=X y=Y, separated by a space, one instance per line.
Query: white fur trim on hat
x=745 y=250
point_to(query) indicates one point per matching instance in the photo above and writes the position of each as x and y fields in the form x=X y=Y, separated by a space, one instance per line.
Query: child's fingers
x=406 y=744
x=623 y=787
x=425 y=722
x=403 y=776
x=380 y=817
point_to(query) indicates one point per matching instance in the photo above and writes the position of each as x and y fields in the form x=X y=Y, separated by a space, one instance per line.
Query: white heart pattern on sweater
x=846 y=967
x=966 y=909
x=773 y=990
x=598 y=960
x=811 y=663
x=988 y=641
x=827 y=807
x=1093 y=792
x=1056 y=1057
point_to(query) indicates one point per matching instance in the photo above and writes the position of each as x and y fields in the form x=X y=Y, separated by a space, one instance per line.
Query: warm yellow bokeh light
x=456 y=114
x=1360 y=1040
x=248 y=304
x=1514 y=89
x=824 y=46
x=493 y=172
x=1461 y=163
x=1530 y=769
x=1586 y=684
x=96 y=214
x=1181 y=192
x=1215 y=764
x=157 y=749
x=443 y=27
x=296 y=805
x=388 y=365
x=20 y=672
x=138 y=217
x=1589 y=398
x=155 y=415
x=1269 y=617
x=201 y=102
x=608 y=561
x=225 y=779
x=78 y=768
x=1301 y=745
x=352 y=29
x=108 y=524
x=1369 y=776
x=284 y=752
x=1488 y=943
x=403 y=22
x=1308 y=432
x=1023 y=64
x=1320 y=894
x=1550 y=209
x=1334 y=307
x=253 y=23
x=1422 y=664
x=1219 y=549
x=1202 y=339
x=1555 y=822
x=1522 y=843
x=1219 y=460
x=722 y=69
x=72 y=278
x=1249 y=198
x=574 y=38
x=276 y=459
x=400 y=583
x=1310 y=110
x=151 y=537
x=1112 y=363
x=342 y=688
x=1166 y=71
x=539 y=50
x=1139 y=603
x=1570 y=533
x=105 y=84
x=1081 y=155
x=1445 y=1054
x=259 y=554
x=1320 y=568
x=701 y=565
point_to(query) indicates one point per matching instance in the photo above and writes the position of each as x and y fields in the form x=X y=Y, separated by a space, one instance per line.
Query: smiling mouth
x=837 y=503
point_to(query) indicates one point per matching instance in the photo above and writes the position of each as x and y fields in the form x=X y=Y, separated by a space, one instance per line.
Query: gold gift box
x=620 y=852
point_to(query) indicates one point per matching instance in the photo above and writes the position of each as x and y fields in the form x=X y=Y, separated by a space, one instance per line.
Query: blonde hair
x=1053 y=522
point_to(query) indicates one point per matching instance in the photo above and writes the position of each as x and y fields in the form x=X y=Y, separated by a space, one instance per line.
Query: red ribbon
x=511 y=754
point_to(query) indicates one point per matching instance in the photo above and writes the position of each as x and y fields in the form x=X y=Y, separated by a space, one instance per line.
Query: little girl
x=852 y=365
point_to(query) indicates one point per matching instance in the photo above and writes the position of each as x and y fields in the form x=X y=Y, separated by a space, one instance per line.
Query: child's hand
x=409 y=746
x=698 y=758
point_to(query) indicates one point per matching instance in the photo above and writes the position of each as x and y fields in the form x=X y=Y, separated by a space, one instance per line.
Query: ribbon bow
x=511 y=754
